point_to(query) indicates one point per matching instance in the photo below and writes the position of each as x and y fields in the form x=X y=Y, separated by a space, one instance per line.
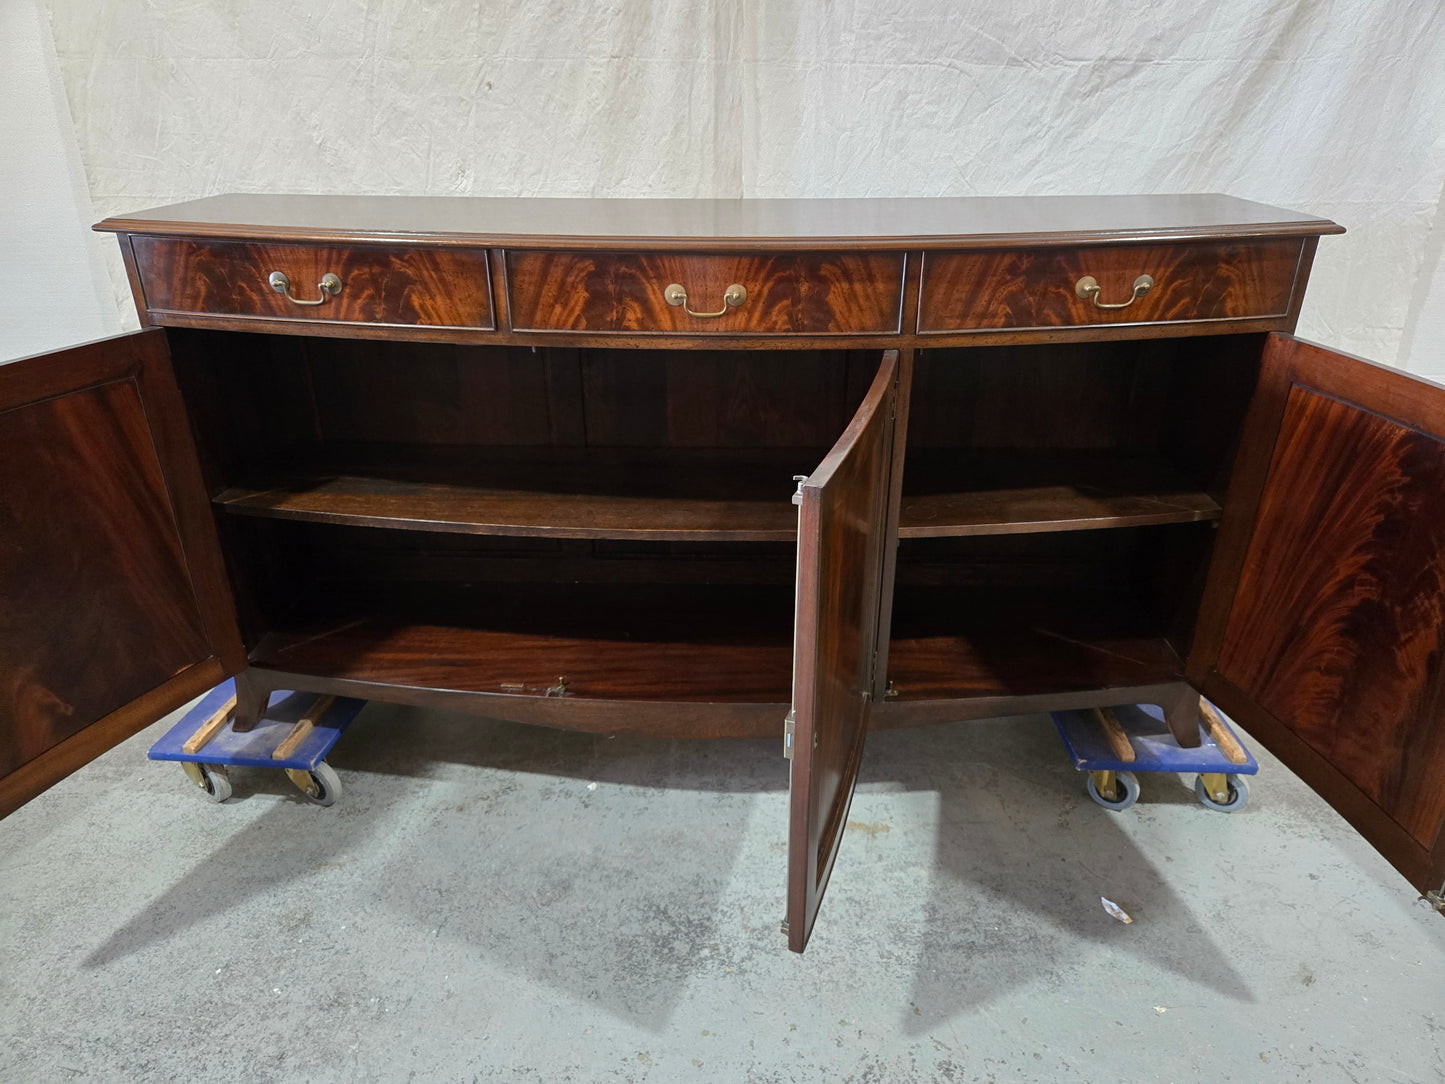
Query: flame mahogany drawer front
x=372 y=284
x=988 y=290
x=802 y=293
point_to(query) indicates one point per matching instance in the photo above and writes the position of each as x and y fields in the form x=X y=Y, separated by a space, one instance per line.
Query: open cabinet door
x=842 y=518
x=114 y=606
x=1323 y=627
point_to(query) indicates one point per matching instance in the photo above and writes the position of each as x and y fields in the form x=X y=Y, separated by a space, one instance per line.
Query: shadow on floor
x=631 y=891
x=609 y=903
x=1025 y=858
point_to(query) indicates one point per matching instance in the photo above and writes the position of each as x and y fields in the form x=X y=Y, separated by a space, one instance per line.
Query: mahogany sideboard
x=538 y=459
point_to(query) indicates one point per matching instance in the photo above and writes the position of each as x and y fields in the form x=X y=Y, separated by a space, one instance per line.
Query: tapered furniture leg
x=252 y=699
x=1181 y=713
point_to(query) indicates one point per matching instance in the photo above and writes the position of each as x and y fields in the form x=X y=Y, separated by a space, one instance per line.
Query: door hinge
x=789 y=725
x=801 y=479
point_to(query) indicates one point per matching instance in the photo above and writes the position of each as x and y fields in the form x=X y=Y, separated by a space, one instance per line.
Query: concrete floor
x=494 y=902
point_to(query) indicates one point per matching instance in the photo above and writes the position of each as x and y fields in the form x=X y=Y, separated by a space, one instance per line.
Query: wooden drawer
x=381 y=285
x=990 y=290
x=806 y=293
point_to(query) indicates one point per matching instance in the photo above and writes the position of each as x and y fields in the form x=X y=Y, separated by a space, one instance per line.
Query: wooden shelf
x=959 y=643
x=1020 y=492
x=708 y=643
x=583 y=493
x=700 y=643
x=571 y=493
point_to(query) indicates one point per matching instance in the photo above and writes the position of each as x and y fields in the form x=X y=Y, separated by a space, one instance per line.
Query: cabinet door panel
x=113 y=607
x=843 y=513
x=1331 y=648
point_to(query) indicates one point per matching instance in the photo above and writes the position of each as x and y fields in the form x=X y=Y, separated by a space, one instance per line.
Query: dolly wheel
x=321 y=784
x=1126 y=791
x=1237 y=793
x=211 y=778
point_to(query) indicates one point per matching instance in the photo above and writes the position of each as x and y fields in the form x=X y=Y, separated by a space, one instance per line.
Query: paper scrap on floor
x=1115 y=910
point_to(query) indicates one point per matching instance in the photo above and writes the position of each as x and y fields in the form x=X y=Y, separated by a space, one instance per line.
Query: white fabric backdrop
x=54 y=290
x=1335 y=108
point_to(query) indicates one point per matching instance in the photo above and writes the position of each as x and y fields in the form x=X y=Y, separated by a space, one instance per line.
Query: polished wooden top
x=953 y=222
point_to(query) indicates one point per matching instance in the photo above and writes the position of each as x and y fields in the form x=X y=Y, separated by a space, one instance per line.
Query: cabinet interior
x=494 y=518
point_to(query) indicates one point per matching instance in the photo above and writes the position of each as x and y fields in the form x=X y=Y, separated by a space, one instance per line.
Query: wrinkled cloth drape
x=1332 y=108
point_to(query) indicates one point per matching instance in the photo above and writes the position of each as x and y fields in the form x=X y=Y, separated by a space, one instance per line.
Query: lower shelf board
x=708 y=644
x=580 y=641
x=962 y=643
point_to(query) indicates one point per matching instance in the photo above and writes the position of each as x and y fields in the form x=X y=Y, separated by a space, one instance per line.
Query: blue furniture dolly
x=295 y=734
x=1112 y=744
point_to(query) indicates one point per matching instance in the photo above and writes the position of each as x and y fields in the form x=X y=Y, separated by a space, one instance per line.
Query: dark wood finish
x=722 y=336
x=1204 y=408
x=1075 y=397
x=752 y=229
x=412 y=395
x=894 y=713
x=961 y=643
x=714 y=719
x=745 y=498
x=739 y=225
x=381 y=284
x=901 y=402
x=996 y=625
x=253 y=697
x=80 y=748
x=1022 y=492
x=803 y=293
x=716 y=340
x=1330 y=650
x=594 y=487
x=677 y=644
x=540 y=496
x=441 y=396
x=843 y=508
x=132 y=274
x=112 y=583
x=1034 y=288
x=721 y=399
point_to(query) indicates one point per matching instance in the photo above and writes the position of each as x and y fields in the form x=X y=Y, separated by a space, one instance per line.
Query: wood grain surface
x=381 y=284
x=743 y=500
x=798 y=293
x=99 y=606
x=963 y=643
x=843 y=511
x=537 y=496
x=745 y=224
x=83 y=746
x=1338 y=622
x=1034 y=287
x=1022 y=491
x=673 y=643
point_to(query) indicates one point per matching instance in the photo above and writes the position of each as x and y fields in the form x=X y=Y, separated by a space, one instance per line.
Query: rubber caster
x=1126 y=791
x=211 y=778
x=1237 y=789
x=321 y=784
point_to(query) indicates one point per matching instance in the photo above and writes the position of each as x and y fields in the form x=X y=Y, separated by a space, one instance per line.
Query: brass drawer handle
x=733 y=296
x=329 y=285
x=1088 y=288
